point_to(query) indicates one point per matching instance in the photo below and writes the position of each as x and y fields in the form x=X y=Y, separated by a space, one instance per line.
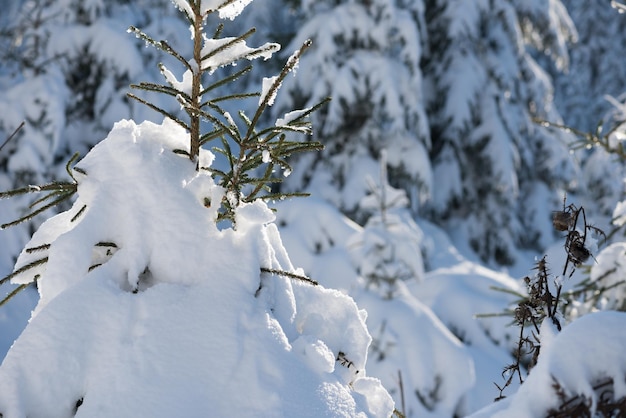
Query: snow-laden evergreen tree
x=494 y=166
x=150 y=305
x=589 y=96
x=388 y=250
x=451 y=90
x=386 y=254
x=596 y=64
x=75 y=49
x=366 y=55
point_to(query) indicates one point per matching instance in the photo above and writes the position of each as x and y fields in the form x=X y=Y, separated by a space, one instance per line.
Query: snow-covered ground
x=148 y=307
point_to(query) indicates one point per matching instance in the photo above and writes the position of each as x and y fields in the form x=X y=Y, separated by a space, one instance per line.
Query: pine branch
x=106 y=244
x=45 y=198
x=167 y=48
x=158 y=109
x=79 y=213
x=291 y=64
x=68 y=166
x=24 y=269
x=10 y=296
x=226 y=80
x=42 y=247
x=230 y=97
x=231 y=128
x=162 y=45
x=62 y=198
x=161 y=88
x=290 y=275
x=210 y=136
x=59 y=191
x=282 y=196
x=59 y=185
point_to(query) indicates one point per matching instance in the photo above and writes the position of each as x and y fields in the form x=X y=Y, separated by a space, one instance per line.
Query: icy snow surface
x=147 y=309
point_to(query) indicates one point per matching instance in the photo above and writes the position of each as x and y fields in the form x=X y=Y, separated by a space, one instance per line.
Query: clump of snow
x=147 y=309
x=388 y=250
x=290 y=117
x=227 y=9
x=619 y=213
x=413 y=353
x=425 y=368
x=226 y=51
x=267 y=93
x=185 y=85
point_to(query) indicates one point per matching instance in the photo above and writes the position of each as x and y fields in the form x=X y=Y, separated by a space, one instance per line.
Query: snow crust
x=142 y=294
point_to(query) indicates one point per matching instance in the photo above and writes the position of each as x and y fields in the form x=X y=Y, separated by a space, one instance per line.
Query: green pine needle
x=24 y=269
x=14 y=292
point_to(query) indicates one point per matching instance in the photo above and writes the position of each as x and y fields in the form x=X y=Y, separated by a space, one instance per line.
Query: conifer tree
x=366 y=55
x=387 y=250
x=495 y=167
x=590 y=96
x=245 y=146
x=451 y=90
x=596 y=66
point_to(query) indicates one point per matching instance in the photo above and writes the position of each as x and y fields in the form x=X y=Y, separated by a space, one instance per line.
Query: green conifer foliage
x=252 y=152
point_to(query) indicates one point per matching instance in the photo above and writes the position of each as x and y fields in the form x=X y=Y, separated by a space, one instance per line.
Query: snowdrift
x=148 y=309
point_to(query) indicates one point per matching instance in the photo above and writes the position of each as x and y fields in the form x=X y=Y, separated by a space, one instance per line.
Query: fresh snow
x=226 y=51
x=177 y=312
x=177 y=319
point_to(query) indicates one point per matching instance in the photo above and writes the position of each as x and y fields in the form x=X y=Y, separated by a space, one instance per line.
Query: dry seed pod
x=562 y=220
x=578 y=252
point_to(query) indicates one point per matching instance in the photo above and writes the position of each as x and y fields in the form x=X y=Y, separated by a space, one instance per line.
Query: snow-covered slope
x=148 y=309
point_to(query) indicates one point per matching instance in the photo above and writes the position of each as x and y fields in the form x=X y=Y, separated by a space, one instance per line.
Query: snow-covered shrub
x=366 y=55
x=64 y=69
x=151 y=308
x=495 y=167
x=148 y=309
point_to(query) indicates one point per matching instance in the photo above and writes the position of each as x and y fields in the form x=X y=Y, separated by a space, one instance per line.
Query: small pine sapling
x=387 y=250
x=247 y=147
x=253 y=153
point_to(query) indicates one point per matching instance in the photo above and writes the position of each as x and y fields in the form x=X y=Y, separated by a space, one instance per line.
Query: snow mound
x=147 y=309
x=573 y=361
